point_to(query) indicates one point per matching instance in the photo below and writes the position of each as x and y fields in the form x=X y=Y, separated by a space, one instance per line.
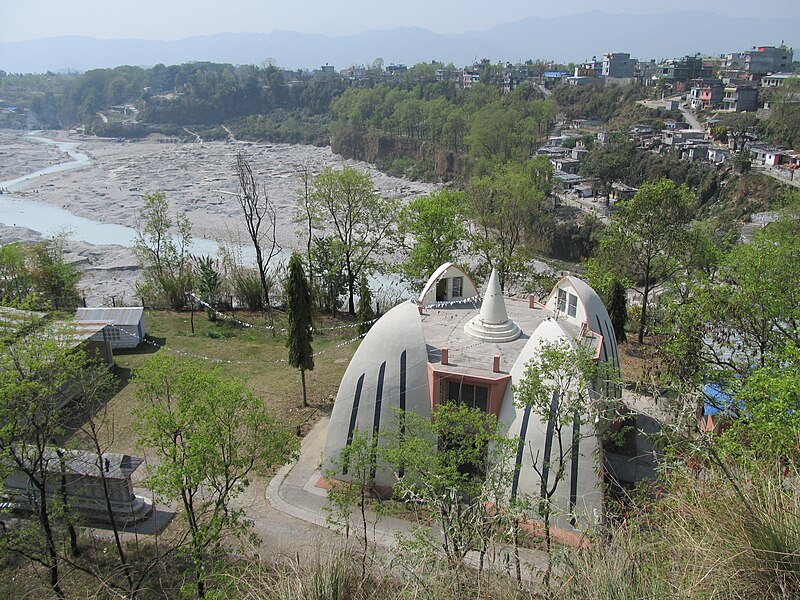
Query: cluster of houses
x=569 y=148
x=741 y=77
x=735 y=88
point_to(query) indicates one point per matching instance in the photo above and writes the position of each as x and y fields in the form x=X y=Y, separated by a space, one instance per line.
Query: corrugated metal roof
x=13 y=320
x=86 y=329
x=127 y=315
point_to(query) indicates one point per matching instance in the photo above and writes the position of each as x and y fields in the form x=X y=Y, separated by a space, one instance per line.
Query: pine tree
x=618 y=309
x=208 y=284
x=301 y=354
x=365 y=312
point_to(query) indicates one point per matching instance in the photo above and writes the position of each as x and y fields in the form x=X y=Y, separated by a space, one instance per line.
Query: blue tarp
x=717 y=401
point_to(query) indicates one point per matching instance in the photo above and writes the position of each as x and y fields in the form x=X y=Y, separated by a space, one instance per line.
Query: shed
x=127 y=330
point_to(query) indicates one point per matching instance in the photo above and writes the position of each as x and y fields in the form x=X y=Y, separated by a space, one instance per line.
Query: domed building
x=454 y=344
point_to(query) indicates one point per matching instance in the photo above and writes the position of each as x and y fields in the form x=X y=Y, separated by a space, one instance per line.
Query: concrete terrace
x=444 y=328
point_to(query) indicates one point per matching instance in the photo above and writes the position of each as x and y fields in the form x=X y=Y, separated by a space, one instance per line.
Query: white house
x=449 y=282
x=439 y=349
x=126 y=328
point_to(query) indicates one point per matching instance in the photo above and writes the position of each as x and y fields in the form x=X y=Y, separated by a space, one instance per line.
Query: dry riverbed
x=198 y=179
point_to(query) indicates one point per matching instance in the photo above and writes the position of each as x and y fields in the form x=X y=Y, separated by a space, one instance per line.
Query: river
x=110 y=270
x=48 y=219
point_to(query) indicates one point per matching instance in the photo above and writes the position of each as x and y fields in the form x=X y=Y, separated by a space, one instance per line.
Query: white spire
x=493 y=309
x=493 y=324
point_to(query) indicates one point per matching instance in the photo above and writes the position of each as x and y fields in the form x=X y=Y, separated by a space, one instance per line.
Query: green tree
x=451 y=466
x=358 y=460
x=36 y=276
x=162 y=246
x=432 y=230
x=740 y=317
x=502 y=206
x=366 y=314
x=359 y=218
x=562 y=385
x=618 y=309
x=299 y=305
x=769 y=405
x=738 y=126
x=209 y=432
x=783 y=124
x=208 y=283
x=743 y=161
x=645 y=236
x=331 y=279
x=54 y=279
x=40 y=372
x=15 y=277
x=609 y=162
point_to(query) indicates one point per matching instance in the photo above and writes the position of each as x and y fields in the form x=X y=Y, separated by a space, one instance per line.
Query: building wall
x=120 y=336
x=580 y=493
x=388 y=372
x=618 y=65
x=443 y=276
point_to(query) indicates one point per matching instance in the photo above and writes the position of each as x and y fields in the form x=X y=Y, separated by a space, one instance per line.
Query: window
x=473 y=396
x=562 y=300
x=458 y=284
x=572 y=309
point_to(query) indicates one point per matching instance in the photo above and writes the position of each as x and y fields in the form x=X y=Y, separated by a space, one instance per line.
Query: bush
x=247 y=289
x=731 y=532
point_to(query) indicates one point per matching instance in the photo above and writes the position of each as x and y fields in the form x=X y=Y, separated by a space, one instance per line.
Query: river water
x=48 y=219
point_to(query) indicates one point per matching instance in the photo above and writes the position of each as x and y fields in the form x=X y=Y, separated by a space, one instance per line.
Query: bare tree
x=260 y=218
x=307 y=212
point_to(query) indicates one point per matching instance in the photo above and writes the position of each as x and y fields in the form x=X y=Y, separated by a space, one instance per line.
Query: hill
x=589 y=34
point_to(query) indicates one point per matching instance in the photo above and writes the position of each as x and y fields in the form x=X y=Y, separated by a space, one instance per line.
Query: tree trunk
x=351 y=289
x=51 y=545
x=112 y=519
x=73 y=535
x=262 y=274
x=518 y=566
x=364 y=525
x=303 y=379
x=264 y=287
x=549 y=547
x=643 y=316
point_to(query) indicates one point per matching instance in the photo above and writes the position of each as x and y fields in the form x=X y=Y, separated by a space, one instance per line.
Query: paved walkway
x=779 y=176
x=292 y=492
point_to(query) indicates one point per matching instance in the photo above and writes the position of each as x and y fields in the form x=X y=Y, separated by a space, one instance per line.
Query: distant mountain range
x=563 y=39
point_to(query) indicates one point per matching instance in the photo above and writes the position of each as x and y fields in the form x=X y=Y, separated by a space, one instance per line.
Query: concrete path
x=293 y=494
x=779 y=176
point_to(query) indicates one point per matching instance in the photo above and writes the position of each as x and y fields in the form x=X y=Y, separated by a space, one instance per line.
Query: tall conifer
x=301 y=354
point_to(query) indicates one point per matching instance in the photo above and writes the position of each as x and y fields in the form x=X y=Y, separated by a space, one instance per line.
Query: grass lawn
x=251 y=354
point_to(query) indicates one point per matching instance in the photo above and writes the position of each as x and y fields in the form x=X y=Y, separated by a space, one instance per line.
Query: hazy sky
x=176 y=19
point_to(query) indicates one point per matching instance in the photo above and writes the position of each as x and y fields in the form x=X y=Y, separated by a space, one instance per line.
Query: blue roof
x=554 y=74
x=718 y=401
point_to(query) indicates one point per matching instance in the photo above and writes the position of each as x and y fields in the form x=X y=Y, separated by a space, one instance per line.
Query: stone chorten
x=493 y=324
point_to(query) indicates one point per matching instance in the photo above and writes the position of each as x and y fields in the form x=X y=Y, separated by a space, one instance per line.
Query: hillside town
x=522 y=330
